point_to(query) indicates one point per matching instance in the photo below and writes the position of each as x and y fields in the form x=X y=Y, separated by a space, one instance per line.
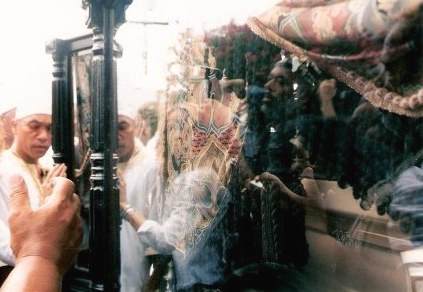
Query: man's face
x=32 y=136
x=279 y=85
x=126 y=135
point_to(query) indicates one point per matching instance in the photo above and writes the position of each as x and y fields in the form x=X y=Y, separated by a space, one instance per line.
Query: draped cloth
x=203 y=146
x=193 y=228
x=202 y=133
x=348 y=38
x=198 y=130
x=195 y=198
x=198 y=147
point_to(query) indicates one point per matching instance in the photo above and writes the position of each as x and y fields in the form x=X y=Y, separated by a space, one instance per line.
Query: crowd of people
x=213 y=183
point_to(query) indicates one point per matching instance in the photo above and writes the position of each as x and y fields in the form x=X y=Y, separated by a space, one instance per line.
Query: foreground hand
x=53 y=231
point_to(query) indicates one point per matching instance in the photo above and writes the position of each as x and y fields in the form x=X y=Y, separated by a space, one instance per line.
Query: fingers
x=18 y=195
x=295 y=197
x=328 y=83
x=327 y=88
x=63 y=188
x=57 y=170
x=266 y=176
x=313 y=192
x=311 y=188
x=62 y=170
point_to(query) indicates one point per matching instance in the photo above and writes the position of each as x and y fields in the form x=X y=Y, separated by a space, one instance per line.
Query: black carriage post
x=104 y=19
x=62 y=107
x=63 y=130
x=62 y=98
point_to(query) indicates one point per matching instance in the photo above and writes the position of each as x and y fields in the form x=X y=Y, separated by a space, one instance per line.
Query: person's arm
x=33 y=273
x=136 y=219
x=313 y=196
x=149 y=231
x=327 y=91
x=45 y=241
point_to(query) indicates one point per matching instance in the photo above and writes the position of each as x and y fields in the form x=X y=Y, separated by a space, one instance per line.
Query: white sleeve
x=6 y=254
x=154 y=235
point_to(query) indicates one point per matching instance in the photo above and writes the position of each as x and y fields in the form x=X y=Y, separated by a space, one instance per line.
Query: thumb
x=311 y=188
x=18 y=194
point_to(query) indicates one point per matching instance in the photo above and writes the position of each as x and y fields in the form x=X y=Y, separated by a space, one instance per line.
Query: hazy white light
x=27 y=26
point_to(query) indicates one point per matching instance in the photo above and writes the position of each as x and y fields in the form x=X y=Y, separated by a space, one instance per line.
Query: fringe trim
x=411 y=106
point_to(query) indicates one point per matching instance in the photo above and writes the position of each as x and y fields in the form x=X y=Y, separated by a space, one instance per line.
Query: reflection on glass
x=299 y=133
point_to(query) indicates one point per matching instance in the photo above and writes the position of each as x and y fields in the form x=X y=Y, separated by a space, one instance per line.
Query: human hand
x=268 y=178
x=327 y=90
x=123 y=200
x=57 y=170
x=313 y=196
x=301 y=160
x=53 y=231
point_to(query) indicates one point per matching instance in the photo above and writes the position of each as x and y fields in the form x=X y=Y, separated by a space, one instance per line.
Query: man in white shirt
x=138 y=169
x=32 y=138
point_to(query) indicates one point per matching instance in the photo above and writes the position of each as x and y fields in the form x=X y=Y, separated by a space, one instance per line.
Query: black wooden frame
x=104 y=18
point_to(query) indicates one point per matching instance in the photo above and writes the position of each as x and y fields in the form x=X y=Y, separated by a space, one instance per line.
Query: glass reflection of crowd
x=233 y=146
x=299 y=123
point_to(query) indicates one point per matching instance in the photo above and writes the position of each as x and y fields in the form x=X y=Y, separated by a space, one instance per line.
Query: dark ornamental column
x=105 y=16
x=62 y=107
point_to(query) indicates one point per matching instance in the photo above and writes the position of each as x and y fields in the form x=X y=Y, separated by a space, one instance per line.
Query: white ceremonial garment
x=140 y=174
x=152 y=143
x=10 y=164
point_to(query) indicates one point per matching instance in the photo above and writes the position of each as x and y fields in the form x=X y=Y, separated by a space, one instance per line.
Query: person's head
x=6 y=132
x=126 y=137
x=280 y=87
x=32 y=136
x=32 y=131
x=146 y=121
x=280 y=81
